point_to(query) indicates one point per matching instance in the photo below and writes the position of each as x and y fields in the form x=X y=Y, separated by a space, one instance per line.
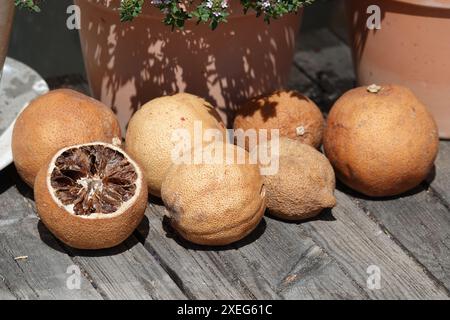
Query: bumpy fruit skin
x=381 y=144
x=55 y=120
x=294 y=114
x=86 y=233
x=150 y=132
x=304 y=184
x=214 y=204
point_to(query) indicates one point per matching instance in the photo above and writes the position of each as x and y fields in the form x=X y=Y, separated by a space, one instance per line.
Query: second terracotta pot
x=130 y=63
x=6 y=19
x=412 y=48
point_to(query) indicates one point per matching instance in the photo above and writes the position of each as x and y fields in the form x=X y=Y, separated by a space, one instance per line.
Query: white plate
x=18 y=86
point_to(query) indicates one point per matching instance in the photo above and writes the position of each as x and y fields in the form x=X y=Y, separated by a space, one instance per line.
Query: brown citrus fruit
x=150 y=134
x=303 y=185
x=91 y=196
x=55 y=120
x=381 y=140
x=294 y=114
x=215 y=203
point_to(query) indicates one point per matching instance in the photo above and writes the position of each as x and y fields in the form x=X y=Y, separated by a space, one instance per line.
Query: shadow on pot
x=6 y=19
x=129 y=64
x=358 y=17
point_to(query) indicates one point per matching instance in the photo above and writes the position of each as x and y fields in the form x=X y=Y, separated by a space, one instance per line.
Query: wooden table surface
x=406 y=238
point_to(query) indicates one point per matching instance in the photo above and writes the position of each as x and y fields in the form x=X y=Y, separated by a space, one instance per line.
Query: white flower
x=160 y=2
x=265 y=4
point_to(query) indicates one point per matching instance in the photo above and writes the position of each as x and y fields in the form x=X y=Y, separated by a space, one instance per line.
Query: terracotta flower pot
x=6 y=19
x=130 y=63
x=412 y=48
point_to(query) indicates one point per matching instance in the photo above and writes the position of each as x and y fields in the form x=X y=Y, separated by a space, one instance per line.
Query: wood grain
x=420 y=224
x=127 y=271
x=357 y=242
x=43 y=274
x=440 y=180
x=254 y=268
x=296 y=266
x=202 y=272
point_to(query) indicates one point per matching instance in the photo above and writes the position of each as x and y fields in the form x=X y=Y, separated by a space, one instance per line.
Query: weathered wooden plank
x=351 y=243
x=202 y=272
x=253 y=268
x=43 y=275
x=317 y=276
x=420 y=223
x=440 y=180
x=439 y=226
x=357 y=242
x=293 y=264
x=5 y=292
x=127 y=271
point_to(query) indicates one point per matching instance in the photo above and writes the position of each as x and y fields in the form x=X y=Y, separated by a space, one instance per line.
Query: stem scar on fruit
x=300 y=131
x=374 y=88
x=91 y=196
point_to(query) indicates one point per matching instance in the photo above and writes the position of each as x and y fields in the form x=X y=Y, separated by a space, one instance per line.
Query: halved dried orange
x=91 y=196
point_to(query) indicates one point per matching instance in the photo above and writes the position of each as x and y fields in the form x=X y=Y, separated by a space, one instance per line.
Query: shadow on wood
x=172 y=234
x=324 y=215
x=9 y=178
x=56 y=244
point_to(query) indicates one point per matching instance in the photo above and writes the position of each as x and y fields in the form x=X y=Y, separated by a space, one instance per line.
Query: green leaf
x=130 y=9
x=27 y=4
x=214 y=24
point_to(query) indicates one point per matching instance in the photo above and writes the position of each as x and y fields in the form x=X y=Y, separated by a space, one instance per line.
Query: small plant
x=214 y=12
x=210 y=11
x=27 y=4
